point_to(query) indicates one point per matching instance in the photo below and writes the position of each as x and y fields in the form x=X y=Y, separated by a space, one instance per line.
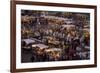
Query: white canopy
x=53 y=49
x=40 y=45
x=68 y=26
x=28 y=41
x=86 y=29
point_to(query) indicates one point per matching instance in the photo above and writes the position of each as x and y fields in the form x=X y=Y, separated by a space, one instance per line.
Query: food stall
x=26 y=43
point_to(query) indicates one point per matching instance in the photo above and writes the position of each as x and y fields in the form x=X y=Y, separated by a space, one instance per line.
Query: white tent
x=40 y=45
x=28 y=41
x=53 y=49
x=68 y=26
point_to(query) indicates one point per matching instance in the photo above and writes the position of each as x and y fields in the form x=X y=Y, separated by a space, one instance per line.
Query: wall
x=5 y=36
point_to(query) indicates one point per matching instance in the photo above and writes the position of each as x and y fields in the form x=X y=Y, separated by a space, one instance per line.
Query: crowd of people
x=71 y=43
